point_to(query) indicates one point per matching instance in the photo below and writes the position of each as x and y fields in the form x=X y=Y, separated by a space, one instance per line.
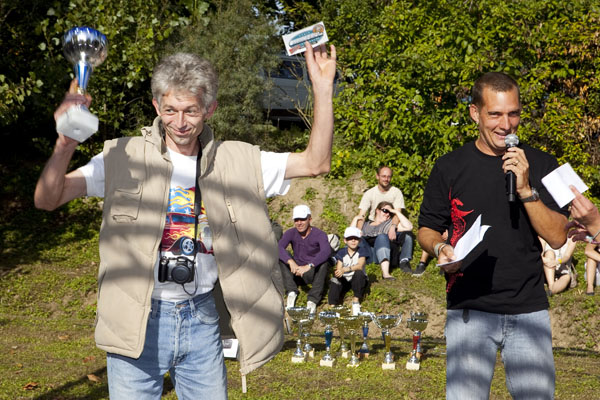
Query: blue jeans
x=183 y=339
x=380 y=251
x=407 y=247
x=525 y=342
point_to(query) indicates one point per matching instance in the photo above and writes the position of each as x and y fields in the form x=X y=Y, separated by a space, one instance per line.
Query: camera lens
x=180 y=273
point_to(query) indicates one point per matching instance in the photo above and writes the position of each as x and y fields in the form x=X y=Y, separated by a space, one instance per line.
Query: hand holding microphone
x=511 y=140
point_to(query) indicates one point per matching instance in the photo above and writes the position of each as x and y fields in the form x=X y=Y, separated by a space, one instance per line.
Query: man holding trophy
x=180 y=209
x=496 y=298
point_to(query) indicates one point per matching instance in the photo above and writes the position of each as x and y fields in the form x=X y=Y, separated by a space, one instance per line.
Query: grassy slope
x=47 y=300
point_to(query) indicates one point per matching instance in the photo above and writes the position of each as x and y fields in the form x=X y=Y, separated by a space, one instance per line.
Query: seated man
x=310 y=261
x=350 y=271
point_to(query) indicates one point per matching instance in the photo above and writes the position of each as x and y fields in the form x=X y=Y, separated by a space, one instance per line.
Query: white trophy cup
x=85 y=48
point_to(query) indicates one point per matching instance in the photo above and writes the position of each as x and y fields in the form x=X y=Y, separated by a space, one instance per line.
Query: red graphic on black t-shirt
x=458 y=230
x=458 y=222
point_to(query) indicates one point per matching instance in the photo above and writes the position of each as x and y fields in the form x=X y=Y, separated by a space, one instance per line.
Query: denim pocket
x=206 y=311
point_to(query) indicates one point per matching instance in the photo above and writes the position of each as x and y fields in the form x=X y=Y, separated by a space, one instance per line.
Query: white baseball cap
x=352 y=231
x=301 y=212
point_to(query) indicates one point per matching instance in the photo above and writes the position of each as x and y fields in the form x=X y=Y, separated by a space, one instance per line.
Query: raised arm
x=55 y=187
x=316 y=158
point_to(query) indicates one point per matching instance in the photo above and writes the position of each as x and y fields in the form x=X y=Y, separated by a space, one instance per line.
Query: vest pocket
x=126 y=203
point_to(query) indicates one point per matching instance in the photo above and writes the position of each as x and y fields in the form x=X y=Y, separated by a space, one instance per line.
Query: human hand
x=339 y=272
x=321 y=66
x=447 y=257
x=585 y=212
x=515 y=161
x=72 y=98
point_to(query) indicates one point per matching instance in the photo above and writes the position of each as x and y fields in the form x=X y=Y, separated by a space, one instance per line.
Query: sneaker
x=311 y=305
x=355 y=308
x=405 y=267
x=291 y=299
x=420 y=269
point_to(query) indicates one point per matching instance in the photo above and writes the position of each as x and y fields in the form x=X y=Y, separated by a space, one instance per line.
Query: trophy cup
x=353 y=324
x=417 y=323
x=298 y=316
x=307 y=324
x=86 y=48
x=342 y=312
x=328 y=318
x=385 y=323
x=365 y=317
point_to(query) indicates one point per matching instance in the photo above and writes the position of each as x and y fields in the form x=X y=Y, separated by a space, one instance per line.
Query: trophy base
x=388 y=365
x=352 y=365
x=345 y=354
x=413 y=366
x=77 y=123
x=298 y=360
x=327 y=363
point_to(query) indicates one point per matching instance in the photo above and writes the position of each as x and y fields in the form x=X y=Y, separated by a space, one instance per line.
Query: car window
x=288 y=70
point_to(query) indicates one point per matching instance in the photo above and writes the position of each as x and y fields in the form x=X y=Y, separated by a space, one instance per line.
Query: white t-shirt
x=179 y=227
x=372 y=197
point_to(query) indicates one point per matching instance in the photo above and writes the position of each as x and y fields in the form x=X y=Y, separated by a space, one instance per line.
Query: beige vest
x=138 y=172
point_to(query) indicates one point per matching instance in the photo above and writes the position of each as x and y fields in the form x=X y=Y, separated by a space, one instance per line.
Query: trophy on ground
x=385 y=323
x=365 y=317
x=342 y=312
x=328 y=318
x=298 y=316
x=416 y=323
x=86 y=48
x=307 y=324
x=353 y=324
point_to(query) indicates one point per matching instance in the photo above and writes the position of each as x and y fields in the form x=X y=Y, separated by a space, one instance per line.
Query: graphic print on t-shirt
x=178 y=235
x=458 y=222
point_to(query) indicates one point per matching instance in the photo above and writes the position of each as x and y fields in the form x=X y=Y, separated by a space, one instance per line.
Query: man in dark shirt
x=495 y=296
x=310 y=261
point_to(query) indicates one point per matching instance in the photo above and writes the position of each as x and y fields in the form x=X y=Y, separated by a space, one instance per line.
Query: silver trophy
x=416 y=323
x=385 y=323
x=85 y=48
x=342 y=312
x=307 y=324
x=329 y=318
x=352 y=323
x=365 y=317
x=298 y=316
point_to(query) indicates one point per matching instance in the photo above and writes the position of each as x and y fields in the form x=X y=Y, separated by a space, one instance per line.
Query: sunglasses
x=385 y=210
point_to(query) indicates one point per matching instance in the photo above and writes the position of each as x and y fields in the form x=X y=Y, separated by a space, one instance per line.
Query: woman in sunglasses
x=375 y=236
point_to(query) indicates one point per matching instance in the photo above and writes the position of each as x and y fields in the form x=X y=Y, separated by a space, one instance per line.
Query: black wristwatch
x=311 y=265
x=535 y=196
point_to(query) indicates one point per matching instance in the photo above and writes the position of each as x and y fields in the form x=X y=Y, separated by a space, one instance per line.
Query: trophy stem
x=354 y=359
x=364 y=348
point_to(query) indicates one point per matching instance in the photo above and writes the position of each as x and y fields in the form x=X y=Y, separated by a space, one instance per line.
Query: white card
x=557 y=183
x=470 y=239
x=314 y=34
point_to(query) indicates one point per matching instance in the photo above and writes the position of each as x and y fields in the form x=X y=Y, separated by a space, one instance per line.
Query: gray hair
x=185 y=72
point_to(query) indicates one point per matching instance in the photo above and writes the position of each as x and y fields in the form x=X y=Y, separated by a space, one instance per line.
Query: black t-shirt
x=504 y=273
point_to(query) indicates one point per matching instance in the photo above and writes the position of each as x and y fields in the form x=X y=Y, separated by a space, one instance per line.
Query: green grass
x=47 y=303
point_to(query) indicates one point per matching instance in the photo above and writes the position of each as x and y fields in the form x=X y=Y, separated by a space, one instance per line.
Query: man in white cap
x=310 y=262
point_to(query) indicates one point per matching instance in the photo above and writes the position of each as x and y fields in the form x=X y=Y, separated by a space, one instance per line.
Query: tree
x=239 y=40
x=411 y=65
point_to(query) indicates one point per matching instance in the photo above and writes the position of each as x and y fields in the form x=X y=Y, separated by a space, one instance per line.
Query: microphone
x=511 y=140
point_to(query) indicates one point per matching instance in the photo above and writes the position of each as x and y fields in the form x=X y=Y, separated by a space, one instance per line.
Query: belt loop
x=192 y=306
x=465 y=315
x=154 y=308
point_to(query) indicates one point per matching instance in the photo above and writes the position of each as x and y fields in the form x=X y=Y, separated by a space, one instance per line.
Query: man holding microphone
x=495 y=296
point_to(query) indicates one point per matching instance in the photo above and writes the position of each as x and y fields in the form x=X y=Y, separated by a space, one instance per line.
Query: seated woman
x=375 y=236
x=558 y=266
x=592 y=252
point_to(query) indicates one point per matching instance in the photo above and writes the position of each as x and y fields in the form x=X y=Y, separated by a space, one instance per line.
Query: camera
x=177 y=269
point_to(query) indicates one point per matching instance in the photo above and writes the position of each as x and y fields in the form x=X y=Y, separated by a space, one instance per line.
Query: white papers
x=469 y=240
x=314 y=34
x=557 y=183
x=230 y=348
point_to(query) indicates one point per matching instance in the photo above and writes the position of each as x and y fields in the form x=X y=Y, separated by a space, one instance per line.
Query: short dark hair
x=382 y=167
x=496 y=81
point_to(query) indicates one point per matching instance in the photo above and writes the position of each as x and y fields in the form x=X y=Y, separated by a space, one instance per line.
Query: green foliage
x=238 y=40
x=410 y=67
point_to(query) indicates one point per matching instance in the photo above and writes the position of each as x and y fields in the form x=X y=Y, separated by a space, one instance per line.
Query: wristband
x=595 y=236
x=438 y=247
